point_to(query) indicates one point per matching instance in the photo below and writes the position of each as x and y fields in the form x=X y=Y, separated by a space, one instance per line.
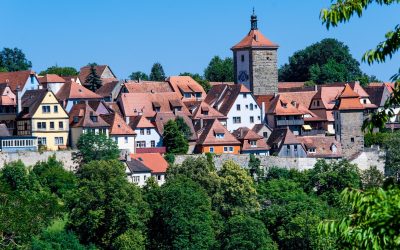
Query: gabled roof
x=73 y=90
x=153 y=161
x=202 y=110
x=282 y=136
x=31 y=101
x=107 y=88
x=136 y=166
x=282 y=106
x=147 y=87
x=257 y=127
x=51 y=78
x=322 y=146
x=16 y=79
x=245 y=135
x=223 y=96
x=349 y=100
x=7 y=96
x=140 y=121
x=118 y=125
x=84 y=113
x=255 y=39
x=208 y=133
x=85 y=71
x=162 y=118
x=185 y=84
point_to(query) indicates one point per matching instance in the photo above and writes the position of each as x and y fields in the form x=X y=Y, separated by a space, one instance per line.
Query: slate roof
x=118 y=125
x=136 y=166
x=73 y=90
x=153 y=161
x=84 y=112
x=15 y=79
x=255 y=39
x=207 y=135
x=223 y=96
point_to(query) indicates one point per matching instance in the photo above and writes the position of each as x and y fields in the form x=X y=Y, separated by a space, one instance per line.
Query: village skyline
x=182 y=36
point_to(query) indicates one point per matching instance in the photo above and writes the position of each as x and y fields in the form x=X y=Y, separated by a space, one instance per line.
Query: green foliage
x=13 y=60
x=254 y=166
x=174 y=139
x=200 y=79
x=244 y=232
x=58 y=240
x=182 y=126
x=170 y=158
x=106 y=209
x=61 y=71
x=329 y=179
x=392 y=157
x=138 y=75
x=373 y=222
x=237 y=193
x=326 y=61
x=219 y=70
x=378 y=138
x=185 y=215
x=93 y=80
x=93 y=147
x=51 y=174
x=371 y=178
x=157 y=72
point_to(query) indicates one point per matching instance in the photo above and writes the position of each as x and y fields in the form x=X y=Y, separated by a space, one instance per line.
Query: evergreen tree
x=157 y=72
x=174 y=139
x=182 y=126
x=93 y=80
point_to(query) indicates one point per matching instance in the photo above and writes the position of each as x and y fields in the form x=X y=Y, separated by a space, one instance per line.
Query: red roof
x=349 y=100
x=73 y=90
x=185 y=84
x=255 y=39
x=153 y=161
x=51 y=78
x=207 y=135
x=147 y=87
x=15 y=79
x=118 y=125
x=282 y=106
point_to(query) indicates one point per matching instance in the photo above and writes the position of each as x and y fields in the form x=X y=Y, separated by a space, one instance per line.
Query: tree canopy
x=138 y=76
x=157 y=72
x=323 y=62
x=13 y=60
x=219 y=70
x=61 y=71
x=174 y=139
x=94 y=147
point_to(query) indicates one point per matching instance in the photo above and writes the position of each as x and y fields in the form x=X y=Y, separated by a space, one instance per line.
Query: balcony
x=289 y=122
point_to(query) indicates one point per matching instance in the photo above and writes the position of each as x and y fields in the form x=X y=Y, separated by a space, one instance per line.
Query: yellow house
x=41 y=115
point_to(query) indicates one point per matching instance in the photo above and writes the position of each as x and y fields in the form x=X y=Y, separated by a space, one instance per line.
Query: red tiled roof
x=198 y=109
x=224 y=96
x=147 y=87
x=349 y=100
x=73 y=90
x=154 y=161
x=118 y=125
x=290 y=85
x=15 y=79
x=51 y=78
x=322 y=145
x=84 y=112
x=207 y=135
x=245 y=135
x=282 y=106
x=140 y=122
x=185 y=84
x=107 y=88
x=255 y=39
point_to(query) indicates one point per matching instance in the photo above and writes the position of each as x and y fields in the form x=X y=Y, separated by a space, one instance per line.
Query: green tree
x=198 y=78
x=61 y=71
x=254 y=166
x=185 y=215
x=329 y=179
x=246 y=233
x=138 y=75
x=392 y=156
x=174 y=139
x=326 y=61
x=14 y=60
x=170 y=158
x=157 y=72
x=237 y=193
x=373 y=222
x=106 y=209
x=184 y=127
x=371 y=178
x=219 y=70
x=58 y=240
x=93 y=80
x=93 y=147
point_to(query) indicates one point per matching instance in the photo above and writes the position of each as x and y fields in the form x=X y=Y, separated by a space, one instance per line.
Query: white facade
x=137 y=178
x=160 y=178
x=244 y=112
x=31 y=84
x=54 y=86
x=243 y=67
x=125 y=142
x=147 y=138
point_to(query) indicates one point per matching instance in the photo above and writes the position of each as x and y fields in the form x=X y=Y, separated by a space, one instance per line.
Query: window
x=187 y=95
x=46 y=109
x=198 y=95
x=365 y=101
x=225 y=149
x=311 y=150
x=211 y=149
x=148 y=131
x=42 y=141
x=153 y=144
x=102 y=131
x=352 y=139
x=55 y=109
x=60 y=125
x=295 y=147
x=94 y=118
x=255 y=106
x=247 y=106
x=253 y=143
x=251 y=106
x=116 y=139
x=317 y=103
x=219 y=135
x=259 y=118
x=126 y=139
x=41 y=125
x=142 y=131
x=51 y=125
x=59 y=140
x=242 y=58
x=141 y=144
x=251 y=119
x=159 y=177
x=244 y=95
x=265 y=134
x=76 y=119
x=136 y=179
x=238 y=107
x=230 y=149
x=237 y=119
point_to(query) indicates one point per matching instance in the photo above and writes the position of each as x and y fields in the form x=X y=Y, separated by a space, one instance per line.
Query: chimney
x=19 y=100
x=127 y=120
x=128 y=156
x=201 y=123
x=262 y=111
x=316 y=87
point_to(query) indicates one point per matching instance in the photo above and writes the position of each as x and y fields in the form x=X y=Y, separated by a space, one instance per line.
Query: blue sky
x=183 y=35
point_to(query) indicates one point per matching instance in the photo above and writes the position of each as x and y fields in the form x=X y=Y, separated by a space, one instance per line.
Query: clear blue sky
x=181 y=34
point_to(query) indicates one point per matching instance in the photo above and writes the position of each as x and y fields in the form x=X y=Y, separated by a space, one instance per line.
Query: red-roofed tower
x=255 y=61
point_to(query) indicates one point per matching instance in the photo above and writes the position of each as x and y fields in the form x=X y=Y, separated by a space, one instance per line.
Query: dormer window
x=253 y=143
x=312 y=150
x=76 y=119
x=219 y=135
x=94 y=118
x=198 y=95
x=187 y=95
x=284 y=105
x=245 y=95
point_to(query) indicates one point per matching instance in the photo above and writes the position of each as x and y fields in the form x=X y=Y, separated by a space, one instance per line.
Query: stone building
x=255 y=62
x=349 y=117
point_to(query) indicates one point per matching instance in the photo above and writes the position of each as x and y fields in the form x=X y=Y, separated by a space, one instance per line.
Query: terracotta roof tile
x=349 y=100
x=282 y=106
x=223 y=96
x=118 y=125
x=51 y=78
x=73 y=90
x=147 y=87
x=153 y=161
x=255 y=39
x=202 y=110
x=107 y=88
x=87 y=117
x=322 y=146
x=15 y=79
x=185 y=84
x=207 y=135
x=140 y=122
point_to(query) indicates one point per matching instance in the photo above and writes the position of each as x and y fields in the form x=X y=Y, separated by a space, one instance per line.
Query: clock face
x=243 y=76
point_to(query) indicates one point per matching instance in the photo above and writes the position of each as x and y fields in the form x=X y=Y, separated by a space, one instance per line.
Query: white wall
x=154 y=136
x=55 y=86
x=31 y=83
x=122 y=144
x=142 y=178
x=244 y=113
x=160 y=178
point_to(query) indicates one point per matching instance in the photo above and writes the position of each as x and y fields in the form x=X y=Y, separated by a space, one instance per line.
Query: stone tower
x=349 y=118
x=255 y=62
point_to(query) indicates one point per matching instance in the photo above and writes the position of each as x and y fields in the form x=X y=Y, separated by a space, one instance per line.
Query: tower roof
x=255 y=39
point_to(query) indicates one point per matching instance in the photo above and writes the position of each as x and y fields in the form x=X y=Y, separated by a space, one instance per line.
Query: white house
x=147 y=135
x=137 y=172
x=237 y=103
x=120 y=132
x=155 y=162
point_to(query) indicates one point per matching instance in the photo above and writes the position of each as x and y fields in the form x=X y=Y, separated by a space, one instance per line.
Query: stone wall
x=351 y=135
x=264 y=71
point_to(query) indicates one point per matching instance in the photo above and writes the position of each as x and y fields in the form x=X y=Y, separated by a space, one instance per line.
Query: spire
x=253 y=21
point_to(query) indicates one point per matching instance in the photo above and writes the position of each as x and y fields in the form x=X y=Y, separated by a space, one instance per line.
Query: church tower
x=255 y=62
